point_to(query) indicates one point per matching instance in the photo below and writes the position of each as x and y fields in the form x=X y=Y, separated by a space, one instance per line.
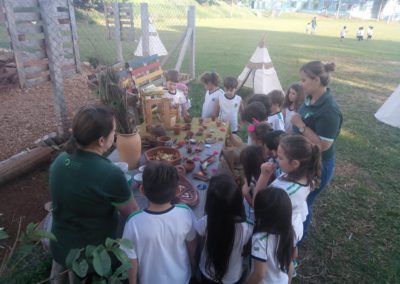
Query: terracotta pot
x=158 y=130
x=164 y=141
x=189 y=165
x=177 y=129
x=129 y=148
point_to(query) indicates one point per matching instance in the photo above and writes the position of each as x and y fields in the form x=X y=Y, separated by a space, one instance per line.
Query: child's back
x=159 y=244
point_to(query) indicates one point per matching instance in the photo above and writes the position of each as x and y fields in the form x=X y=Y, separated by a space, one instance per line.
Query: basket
x=150 y=155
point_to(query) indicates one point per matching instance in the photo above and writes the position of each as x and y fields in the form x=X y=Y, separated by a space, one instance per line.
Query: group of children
x=359 y=34
x=280 y=169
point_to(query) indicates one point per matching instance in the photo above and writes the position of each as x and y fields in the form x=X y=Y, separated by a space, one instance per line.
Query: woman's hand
x=297 y=120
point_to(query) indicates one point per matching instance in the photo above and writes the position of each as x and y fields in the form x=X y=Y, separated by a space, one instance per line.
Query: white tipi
x=389 y=112
x=155 y=44
x=260 y=73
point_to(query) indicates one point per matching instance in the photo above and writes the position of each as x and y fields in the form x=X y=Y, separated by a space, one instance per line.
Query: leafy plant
x=98 y=259
x=112 y=95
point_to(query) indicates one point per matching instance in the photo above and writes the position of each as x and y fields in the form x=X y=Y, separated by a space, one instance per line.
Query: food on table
x=162 y=156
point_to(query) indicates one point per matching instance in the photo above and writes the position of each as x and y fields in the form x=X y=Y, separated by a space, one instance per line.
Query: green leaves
x=101 y=262
x=80 y=267
x=72 y=256
x=126 y=243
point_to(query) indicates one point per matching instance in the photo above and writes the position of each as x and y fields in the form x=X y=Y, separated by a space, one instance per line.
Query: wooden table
x=218 y=133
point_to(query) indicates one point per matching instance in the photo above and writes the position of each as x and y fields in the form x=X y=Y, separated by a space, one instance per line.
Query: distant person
x=343 y=33
x=313 y=25
x=370 y=31
x=360 y=34
x=308 y=28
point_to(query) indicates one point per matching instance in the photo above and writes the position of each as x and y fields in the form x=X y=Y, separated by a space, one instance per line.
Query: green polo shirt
x=85 y=190
x=324 y=118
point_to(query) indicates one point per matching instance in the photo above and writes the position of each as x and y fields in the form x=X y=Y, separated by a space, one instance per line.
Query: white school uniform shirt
x=287 y=120
x=229 y=110
x=263 y=249
x=298 y=196
x=159 y=244
x=243 y=234
x=343 y=33
x=370 y=32
x=276 y=121
x=211 y=100
x=177 y=99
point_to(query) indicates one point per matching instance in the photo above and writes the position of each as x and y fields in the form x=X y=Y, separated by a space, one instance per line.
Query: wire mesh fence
x=4 y=38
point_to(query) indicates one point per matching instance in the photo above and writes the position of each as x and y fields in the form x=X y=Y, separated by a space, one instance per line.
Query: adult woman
x=319 y=120
x=87 y=189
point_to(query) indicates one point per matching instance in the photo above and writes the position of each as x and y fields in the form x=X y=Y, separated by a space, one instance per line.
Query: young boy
x=343 y=33
x=360 y=34
x=211 y=81
x=276 y=119
x=230 y=104
x=370 y=31
x=163 y=235
x=177 y=97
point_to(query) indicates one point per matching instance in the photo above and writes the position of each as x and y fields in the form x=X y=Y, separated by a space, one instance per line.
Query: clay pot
x=188 y=126
x=158 y=130
x=164 y=141
x=200 y=121
x=129 y=148
x=219 y=123
x=189 y=165
x=177 y=129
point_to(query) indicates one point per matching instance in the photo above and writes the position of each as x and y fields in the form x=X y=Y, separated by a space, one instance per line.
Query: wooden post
x=132 y=24
x=106 y=13
x=117 y=32
x=12 y=31
x=74 y=33
x=55 y=54
x=192 y=51
x=185 y=44
x=2 y=13
x=144 y=11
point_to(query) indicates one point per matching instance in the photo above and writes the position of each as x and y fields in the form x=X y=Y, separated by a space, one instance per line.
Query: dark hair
x=88 y=125
x=271 y=139
x=273 y=215
x=316 y=69
x=254 y=110
x=298 y=147
x=261 y=130
x=172 y=75
x=210 y=77
x=276 y=97
x=299 y=98
x=230 y=83
x=264 y=99
x=160 y=181
x=251 y=158
x=224 y=208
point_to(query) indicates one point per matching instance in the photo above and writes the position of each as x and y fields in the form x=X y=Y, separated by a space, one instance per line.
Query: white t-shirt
x=287 y=120
x=298 y=196
x=229 y=110
x=178 y=99
x=159 y=244
x=211 y=102
x=243 y=234
x=263 y=249
x=276 y=121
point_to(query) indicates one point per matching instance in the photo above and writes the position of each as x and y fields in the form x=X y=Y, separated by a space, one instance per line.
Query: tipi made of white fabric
x=259 y=73
x=389 y=112
x=155 y=44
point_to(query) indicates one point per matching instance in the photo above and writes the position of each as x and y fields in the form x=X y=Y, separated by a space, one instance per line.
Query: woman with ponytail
x=272 y=242
x=225 y=230
x=87 y=189
x=319 y=119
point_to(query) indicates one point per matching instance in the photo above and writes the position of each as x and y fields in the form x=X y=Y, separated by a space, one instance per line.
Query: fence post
x=54 y=49
x=192 y=56
x=132 y=23
x=144 y=11
x=74 y=33
x=117 y=26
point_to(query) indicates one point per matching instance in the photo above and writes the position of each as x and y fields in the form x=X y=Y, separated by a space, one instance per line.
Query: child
x=276 y=119
x=254 y=113
x=163 y=235
x=211 y=83
x=360 y=34
x=177 y=98
x=272 y=242
x=308 y=28
x=185 y=90
x=271 y=143
x=257 y=132
x=343 y=33
x=293 y=100
x=230 y=104
x=225 y=230
x=300 y=160
x=370 y=31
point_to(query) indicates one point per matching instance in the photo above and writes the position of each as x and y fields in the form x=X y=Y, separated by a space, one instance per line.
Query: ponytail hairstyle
x=88 y=125
x=272 y=138
x=315 y=69
x=260 y=130
x=251 y=158
x=298 y=147
x=299 y=98
x=224 y=209
x=210 y=77
x=273 y=215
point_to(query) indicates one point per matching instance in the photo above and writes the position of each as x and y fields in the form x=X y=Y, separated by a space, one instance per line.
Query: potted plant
x=128 y=139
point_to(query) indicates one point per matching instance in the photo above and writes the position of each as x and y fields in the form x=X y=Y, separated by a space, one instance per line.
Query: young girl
x=293 y=100
x=272 y=242
x=300 y=162
x=225 y=230
x=211 y=81
x=258 y=131
x=254 y=113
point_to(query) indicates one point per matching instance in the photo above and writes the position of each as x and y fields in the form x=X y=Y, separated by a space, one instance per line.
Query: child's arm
x=215 y=113
x=259 y=272
x=247 y=194
x=267 y=169
x=132 y=272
